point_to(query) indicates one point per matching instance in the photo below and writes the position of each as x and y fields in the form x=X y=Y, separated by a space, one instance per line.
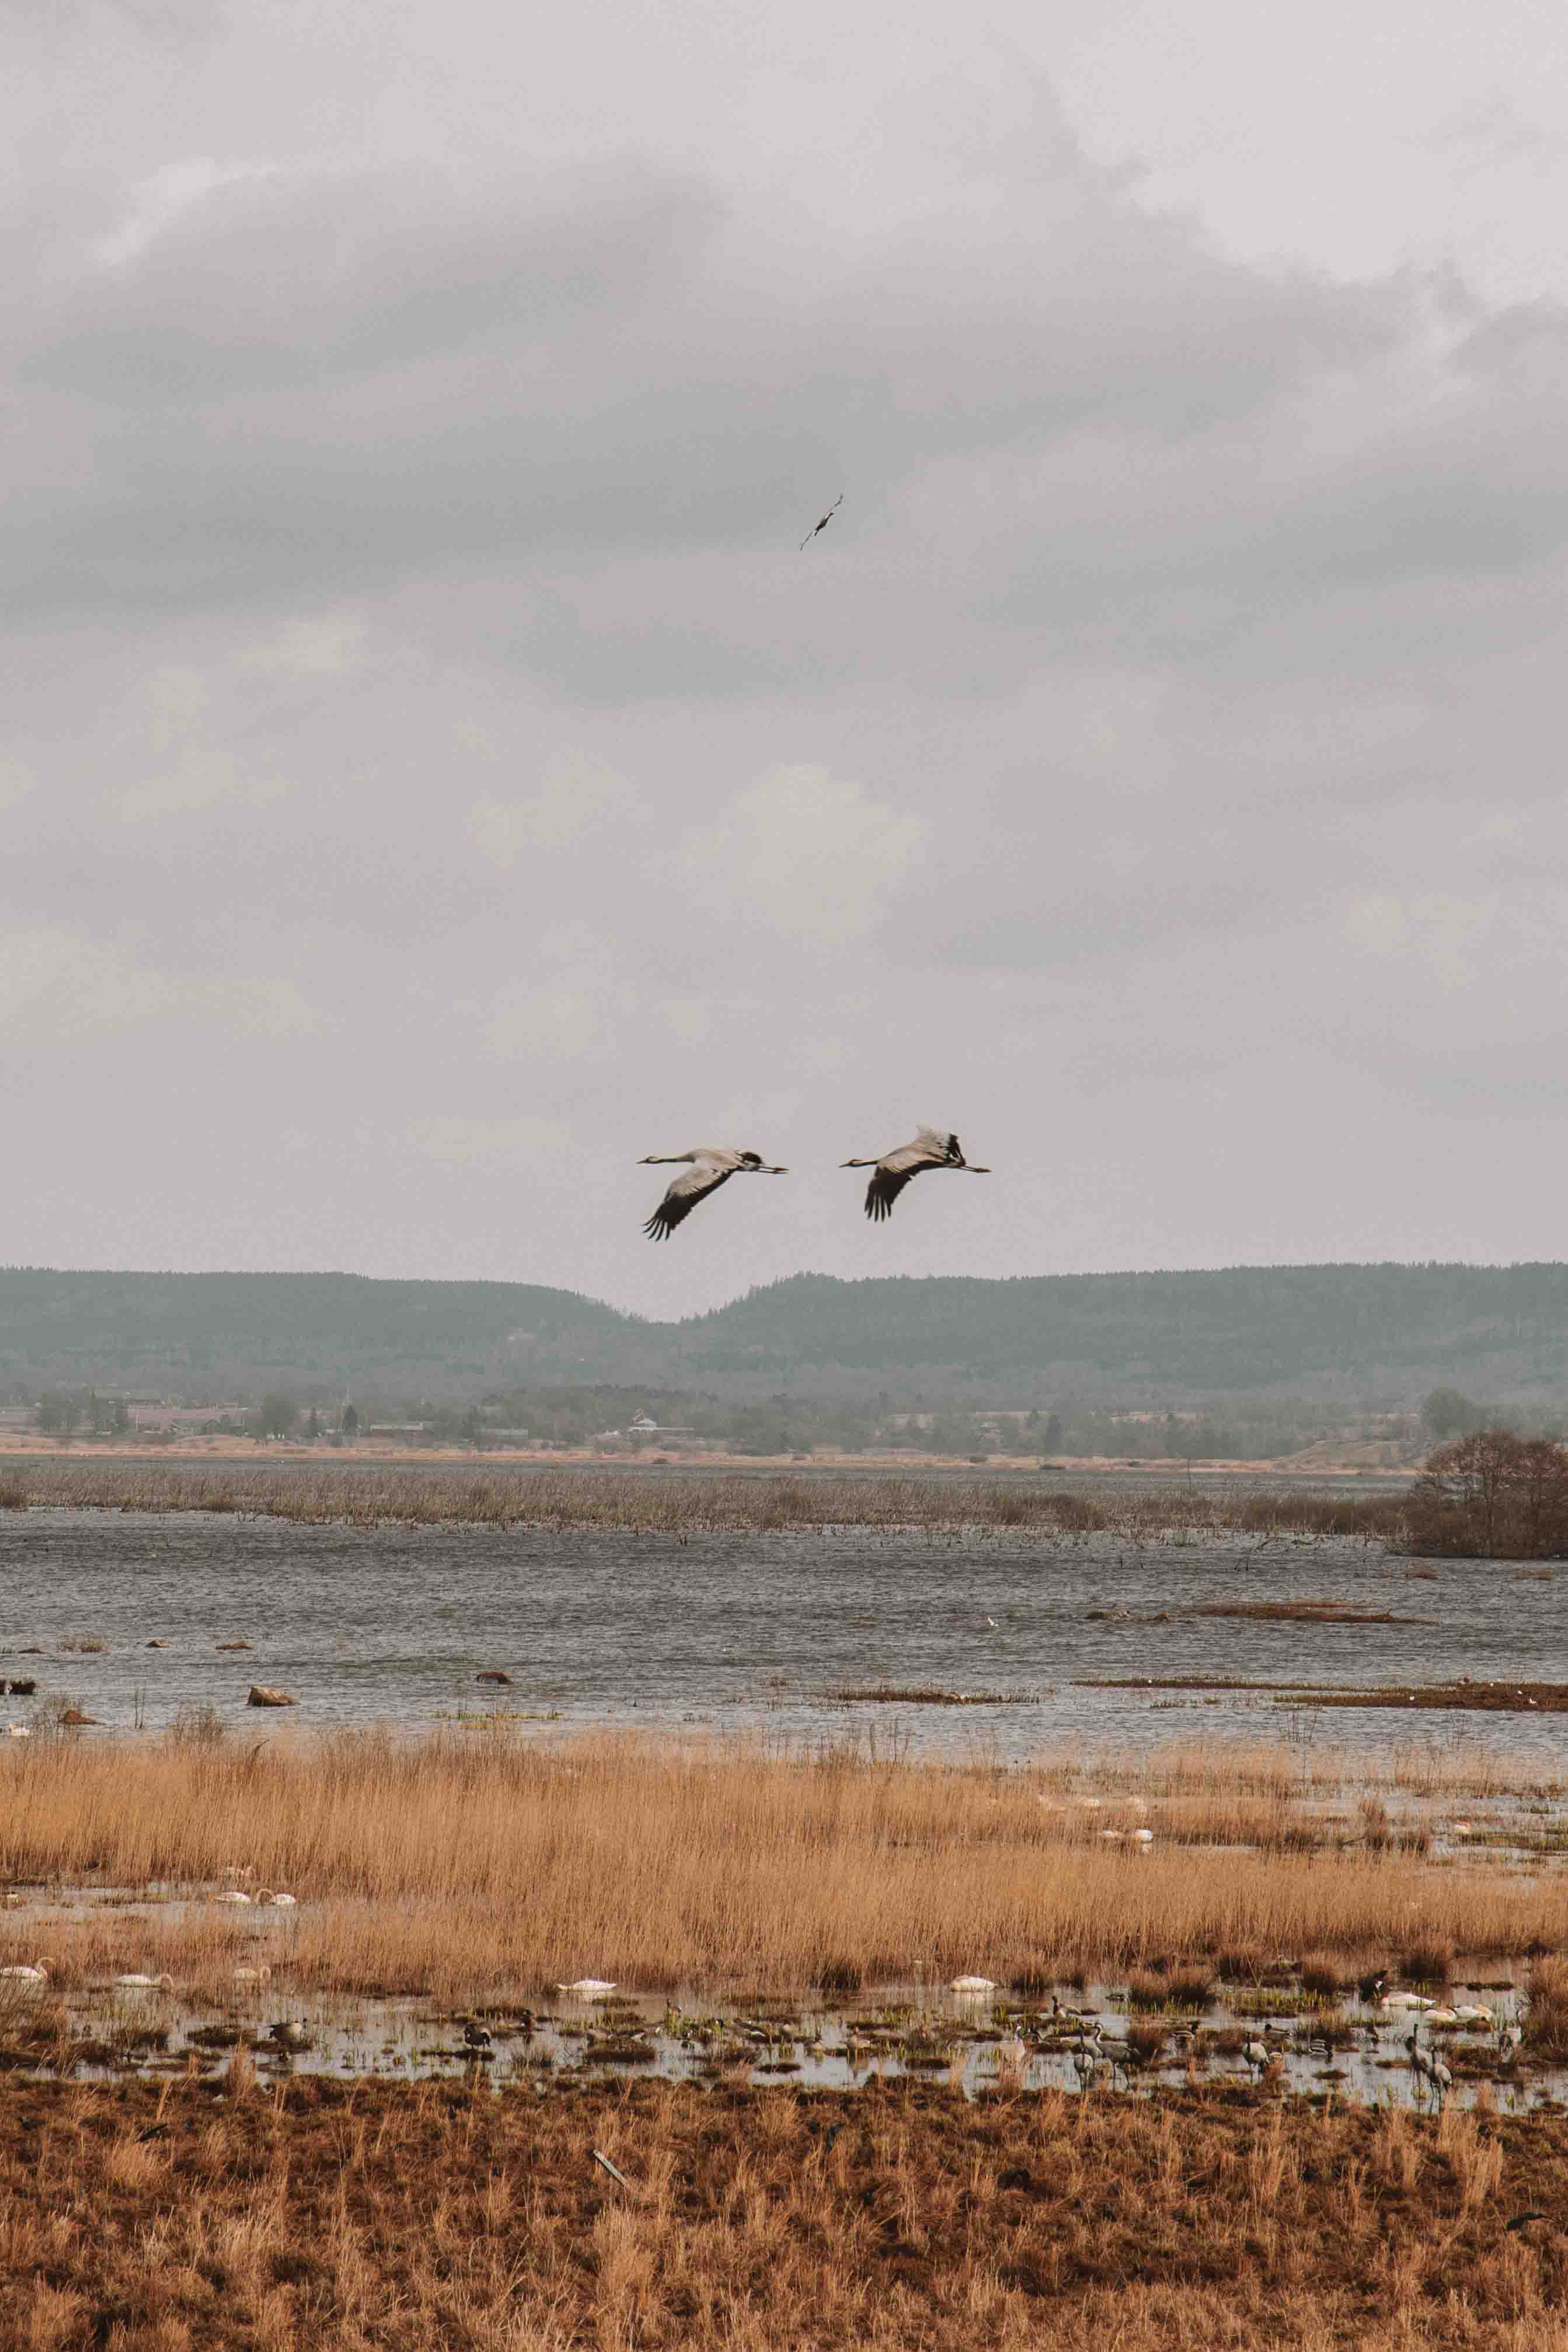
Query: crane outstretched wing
x=888 y=1182
x=683 y=1196
x=940 y=1141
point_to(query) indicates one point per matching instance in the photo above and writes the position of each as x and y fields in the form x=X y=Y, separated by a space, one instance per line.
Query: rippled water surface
x=749 y=1633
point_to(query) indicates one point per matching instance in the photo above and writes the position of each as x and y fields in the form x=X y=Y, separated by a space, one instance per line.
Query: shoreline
x=21 y=1447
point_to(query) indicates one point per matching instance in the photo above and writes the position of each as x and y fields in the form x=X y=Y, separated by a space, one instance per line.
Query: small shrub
x=1428 y=1960
x=197 y=1724
x=12 y=1494
x=1546 y=2009
x=1373 y=1814
x=1192 y=1986
x=1322 y=1976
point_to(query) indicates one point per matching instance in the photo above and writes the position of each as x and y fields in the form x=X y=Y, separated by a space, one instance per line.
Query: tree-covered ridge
x=277 y=1318
x=1236 y=1327
x=1382 y=1332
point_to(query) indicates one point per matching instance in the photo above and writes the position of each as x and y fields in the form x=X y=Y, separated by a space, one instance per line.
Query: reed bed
x=481 y=1866
x=697 y=1504
x=389 y=2218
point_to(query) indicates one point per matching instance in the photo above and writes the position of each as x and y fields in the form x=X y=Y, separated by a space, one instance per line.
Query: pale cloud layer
x=433 y=776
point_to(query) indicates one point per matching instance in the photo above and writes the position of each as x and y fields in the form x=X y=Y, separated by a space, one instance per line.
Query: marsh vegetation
x=481 y=1864
x=306 y=2214
x=687 y=1502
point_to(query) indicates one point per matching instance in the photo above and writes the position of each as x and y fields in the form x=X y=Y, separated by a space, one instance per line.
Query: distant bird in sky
x=931 y=1149
x=827 y=519
x=712 y=1164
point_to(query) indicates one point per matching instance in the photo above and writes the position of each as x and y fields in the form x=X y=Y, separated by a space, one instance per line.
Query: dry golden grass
x=685 y=1503
x=473 y=1866
x=396 y=2218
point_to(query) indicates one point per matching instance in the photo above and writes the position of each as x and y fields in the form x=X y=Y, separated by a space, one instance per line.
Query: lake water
x=753 y=1633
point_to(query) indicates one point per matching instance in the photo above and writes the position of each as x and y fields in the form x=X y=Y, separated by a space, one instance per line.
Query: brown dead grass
x=480 y=1864
x=686 y=1502
x=384 y=2218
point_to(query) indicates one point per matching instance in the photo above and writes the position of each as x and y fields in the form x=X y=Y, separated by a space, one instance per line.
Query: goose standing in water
x=712 y=1164
x=932 y=1148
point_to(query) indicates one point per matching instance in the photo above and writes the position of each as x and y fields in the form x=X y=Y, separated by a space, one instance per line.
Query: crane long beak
x=976 y=1170
x=772 y=1172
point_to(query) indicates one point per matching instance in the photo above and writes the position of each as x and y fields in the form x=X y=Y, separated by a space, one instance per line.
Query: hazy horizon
x=433 y=778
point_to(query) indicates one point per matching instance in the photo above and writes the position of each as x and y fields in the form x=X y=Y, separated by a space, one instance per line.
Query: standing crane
x=1431 y=2074
x=931 y=1149
x=712 y=1164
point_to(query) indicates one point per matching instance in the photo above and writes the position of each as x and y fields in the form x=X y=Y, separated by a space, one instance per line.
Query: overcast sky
x=431 y=777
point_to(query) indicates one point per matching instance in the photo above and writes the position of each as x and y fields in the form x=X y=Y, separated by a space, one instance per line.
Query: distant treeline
x=1338 y=1336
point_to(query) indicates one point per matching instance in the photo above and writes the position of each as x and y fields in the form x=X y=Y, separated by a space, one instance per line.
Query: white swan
x=263 y=1975
x=20 y=1974
x=1475 y=2012
x=1395 y=2002
x=588 y=1988
x=145 y=1984
x=1142 y=1837
x=233 y=1895
x=284 y=1901
x=973 y=1985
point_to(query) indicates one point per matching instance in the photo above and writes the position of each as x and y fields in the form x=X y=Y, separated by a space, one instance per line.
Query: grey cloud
x=361 y=380
x=1174 y=608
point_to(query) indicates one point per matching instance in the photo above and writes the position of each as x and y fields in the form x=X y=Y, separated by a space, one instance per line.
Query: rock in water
x=263 y=1694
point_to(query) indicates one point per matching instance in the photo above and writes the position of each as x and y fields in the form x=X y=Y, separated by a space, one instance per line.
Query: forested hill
x=1322 y=1330
x=1375 y=1333
x=223 y=1332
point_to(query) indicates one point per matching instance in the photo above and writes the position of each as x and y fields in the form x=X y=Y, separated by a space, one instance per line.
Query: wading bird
x=931 y=1149
x=827 y=519
x=712 y=1164
x=1260 y=2055
x=1430 y=2073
